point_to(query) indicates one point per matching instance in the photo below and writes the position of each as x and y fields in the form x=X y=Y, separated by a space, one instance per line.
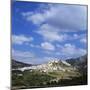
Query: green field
x=35 y=79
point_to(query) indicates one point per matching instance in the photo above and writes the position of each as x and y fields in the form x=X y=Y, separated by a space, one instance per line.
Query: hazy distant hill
x=80 y=63
x=18 y=64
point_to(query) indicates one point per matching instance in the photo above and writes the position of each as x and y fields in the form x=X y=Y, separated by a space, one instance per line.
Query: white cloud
x=23 y=54
x=65 y=51
x=47 y=46
x=68 y=17
x=64 y=17
x=25 y=14
x=29 y=57
x=76 y=36
x=20 y=39
x=36 y=18
x=50 y=33
x=70 y=50
x=56 y=19
x=83 y=40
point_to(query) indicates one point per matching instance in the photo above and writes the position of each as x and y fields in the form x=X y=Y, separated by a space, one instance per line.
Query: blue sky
x=44 y=31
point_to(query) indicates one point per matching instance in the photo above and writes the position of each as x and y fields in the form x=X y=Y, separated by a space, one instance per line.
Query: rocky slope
x=55 y=65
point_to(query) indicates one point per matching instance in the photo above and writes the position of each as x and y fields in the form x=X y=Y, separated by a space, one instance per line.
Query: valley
x=54 y=73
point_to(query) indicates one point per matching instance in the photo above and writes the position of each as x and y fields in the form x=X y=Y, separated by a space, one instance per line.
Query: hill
x=18 y=64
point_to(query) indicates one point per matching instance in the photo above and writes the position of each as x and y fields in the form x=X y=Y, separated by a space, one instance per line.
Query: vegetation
x=35 y=79
x=30 y=79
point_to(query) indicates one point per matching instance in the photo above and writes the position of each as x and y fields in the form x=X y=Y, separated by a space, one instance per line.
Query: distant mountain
x=73 y=64
x=18 y=64
x=80 y=63
x=54 y=65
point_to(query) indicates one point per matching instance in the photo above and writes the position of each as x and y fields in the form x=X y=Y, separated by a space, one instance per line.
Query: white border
x=62 y=1
x=5 y=43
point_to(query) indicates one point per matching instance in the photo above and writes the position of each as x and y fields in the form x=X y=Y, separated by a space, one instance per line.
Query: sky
x=48 y=31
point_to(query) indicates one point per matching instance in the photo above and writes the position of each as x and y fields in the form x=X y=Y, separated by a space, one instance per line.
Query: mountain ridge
x=18 y=64
x=79 y=63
